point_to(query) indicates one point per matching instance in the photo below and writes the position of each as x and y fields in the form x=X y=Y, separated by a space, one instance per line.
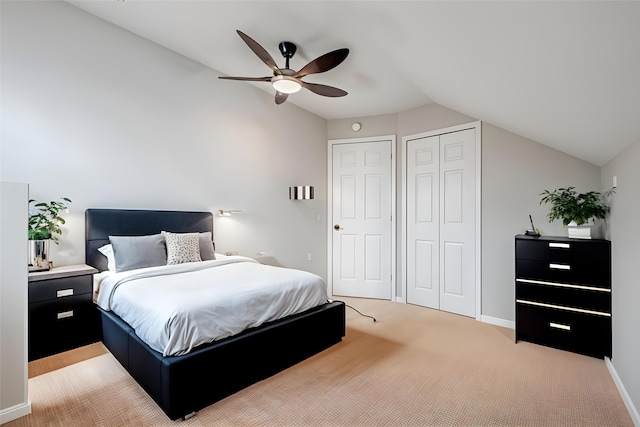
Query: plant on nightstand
x=44 y=224
x=576 y=210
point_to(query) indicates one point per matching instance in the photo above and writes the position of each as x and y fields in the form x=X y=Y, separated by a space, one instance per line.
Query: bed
x=183 y=381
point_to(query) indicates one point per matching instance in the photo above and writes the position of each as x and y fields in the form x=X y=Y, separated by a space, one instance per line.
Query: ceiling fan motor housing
x=287 y=49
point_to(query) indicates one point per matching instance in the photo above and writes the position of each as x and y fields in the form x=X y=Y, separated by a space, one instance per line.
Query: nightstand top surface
x=63 y=271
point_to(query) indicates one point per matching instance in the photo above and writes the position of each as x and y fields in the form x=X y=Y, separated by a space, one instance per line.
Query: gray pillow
x=132 y=252
x=206 y=247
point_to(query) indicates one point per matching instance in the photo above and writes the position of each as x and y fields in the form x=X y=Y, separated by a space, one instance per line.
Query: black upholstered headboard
x=102 y=223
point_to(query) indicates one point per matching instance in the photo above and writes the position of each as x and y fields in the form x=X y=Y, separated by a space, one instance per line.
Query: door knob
x=336 y=227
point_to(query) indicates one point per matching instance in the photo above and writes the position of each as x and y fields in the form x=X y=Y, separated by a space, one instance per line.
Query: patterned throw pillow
x=182 y=247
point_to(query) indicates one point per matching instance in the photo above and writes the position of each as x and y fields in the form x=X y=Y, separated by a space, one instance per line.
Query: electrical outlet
x=308 y=256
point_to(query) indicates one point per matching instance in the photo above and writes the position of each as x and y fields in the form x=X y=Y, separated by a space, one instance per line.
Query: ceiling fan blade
x=260 y=51
x=250 y=79
x=281 y=97
x=323 y=90
x=323 y=63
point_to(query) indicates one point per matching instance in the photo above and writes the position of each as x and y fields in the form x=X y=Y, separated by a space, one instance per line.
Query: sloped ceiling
x=565 y=73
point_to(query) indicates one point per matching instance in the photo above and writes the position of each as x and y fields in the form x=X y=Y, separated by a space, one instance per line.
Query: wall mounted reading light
x=228 y=212
x=301 y=192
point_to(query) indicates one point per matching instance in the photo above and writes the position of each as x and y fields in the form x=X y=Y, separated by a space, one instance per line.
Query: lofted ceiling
x=563 y=73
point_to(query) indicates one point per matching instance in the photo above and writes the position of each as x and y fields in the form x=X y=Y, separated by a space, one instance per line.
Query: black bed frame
x=182 y=385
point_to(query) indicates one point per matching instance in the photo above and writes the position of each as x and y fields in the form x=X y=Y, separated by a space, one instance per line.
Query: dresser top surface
x=559 y=239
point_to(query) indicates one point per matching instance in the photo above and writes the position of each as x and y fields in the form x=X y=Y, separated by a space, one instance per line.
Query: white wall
x=515 y=170
x=111 y=120
x=14 y=399
x=625 y=205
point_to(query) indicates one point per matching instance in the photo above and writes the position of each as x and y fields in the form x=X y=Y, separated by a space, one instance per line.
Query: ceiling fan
x=287 y=81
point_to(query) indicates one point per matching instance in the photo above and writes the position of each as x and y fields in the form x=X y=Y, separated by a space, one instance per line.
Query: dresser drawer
x=576 y=272
x=592 y=251
x=577 y=332
x=583 y=299
x=53 y=289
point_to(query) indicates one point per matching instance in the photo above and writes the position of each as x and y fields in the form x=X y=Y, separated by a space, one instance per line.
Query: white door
x=441 y=217
x=361 y=219
x=423 y=221
x=457 y=222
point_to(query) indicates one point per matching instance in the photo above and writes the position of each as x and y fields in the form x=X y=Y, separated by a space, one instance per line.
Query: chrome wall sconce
x=301 y=192
x=222 y=212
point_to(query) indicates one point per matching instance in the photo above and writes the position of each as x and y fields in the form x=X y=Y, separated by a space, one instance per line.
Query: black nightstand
x=62 y=314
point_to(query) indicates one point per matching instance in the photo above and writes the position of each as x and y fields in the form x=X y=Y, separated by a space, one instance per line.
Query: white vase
x=39 y=254
x=579 y=231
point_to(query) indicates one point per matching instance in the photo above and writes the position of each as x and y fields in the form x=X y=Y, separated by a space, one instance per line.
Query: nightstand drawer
x=60 y=325
x=576 y=272
x=60 y=310
x=584 y=299
x=577 y=332
x=53 y=289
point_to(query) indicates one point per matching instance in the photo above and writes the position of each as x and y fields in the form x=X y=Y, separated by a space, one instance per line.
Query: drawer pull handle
x=560 y=267
x=64 y=293
x=560 y=245
x=560 y=326
x=65 y=314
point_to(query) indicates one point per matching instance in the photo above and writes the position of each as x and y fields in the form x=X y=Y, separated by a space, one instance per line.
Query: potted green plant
x=44 y=224
x=576 y=210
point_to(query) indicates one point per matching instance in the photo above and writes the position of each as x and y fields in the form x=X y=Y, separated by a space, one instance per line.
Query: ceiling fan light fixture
x=287 y=81
x=285 y=84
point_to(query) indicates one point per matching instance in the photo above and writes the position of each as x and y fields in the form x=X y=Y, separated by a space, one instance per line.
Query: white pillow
x=182 y=247
x=107 y=250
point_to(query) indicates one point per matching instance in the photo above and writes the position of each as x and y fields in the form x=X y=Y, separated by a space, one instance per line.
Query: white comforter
x=174 y=308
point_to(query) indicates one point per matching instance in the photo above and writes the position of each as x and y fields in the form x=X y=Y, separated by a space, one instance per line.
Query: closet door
x=457 y=222
x=441 y=212
x=423 y=223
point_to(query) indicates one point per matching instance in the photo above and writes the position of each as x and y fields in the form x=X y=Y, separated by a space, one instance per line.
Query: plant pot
x=39 y=255
x=579 y=231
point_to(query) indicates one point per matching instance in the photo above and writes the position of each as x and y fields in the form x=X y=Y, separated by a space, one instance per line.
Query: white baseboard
x=483 y=318
x=498 y=322
x=15 y=412
x=633 y=411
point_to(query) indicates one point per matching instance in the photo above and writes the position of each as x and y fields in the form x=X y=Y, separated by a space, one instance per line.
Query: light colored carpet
x=413 y=367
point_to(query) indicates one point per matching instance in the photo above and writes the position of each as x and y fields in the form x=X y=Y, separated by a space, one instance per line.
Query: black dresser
x=563 y=293
x=62 y=314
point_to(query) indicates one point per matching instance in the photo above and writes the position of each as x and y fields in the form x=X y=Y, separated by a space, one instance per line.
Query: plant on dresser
x=563 y=293
x=575 y=209
x=44 y=223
